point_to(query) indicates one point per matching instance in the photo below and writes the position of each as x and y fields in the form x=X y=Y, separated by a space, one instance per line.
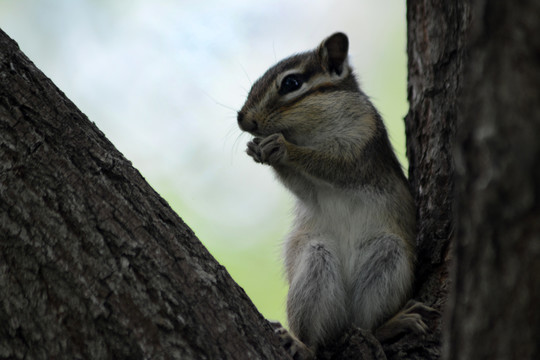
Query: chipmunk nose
x=240 y=117
x=246 y=124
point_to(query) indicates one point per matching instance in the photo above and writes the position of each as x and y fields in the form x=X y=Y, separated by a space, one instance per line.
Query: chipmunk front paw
x=269 y=150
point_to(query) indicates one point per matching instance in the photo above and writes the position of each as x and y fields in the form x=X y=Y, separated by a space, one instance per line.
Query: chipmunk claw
x=412 y=318
x=254 y=150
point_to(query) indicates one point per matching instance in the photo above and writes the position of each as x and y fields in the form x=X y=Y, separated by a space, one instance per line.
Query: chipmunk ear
x=333 y=52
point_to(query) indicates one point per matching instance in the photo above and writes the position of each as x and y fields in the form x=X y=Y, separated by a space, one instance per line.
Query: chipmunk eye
x=290 y=83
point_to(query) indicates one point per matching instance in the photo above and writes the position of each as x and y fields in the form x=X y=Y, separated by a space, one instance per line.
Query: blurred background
x=163 y=80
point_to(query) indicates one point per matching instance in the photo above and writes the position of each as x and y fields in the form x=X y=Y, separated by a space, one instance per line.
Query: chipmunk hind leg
x=383 y=279
x=316 y=303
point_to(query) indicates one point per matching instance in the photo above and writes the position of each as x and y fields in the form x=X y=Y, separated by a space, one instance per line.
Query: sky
x=163 y=80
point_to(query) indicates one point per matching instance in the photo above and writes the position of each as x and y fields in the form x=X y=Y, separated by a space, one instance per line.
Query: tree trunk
x=496 y=293
x=93 y=262
x=436 y=35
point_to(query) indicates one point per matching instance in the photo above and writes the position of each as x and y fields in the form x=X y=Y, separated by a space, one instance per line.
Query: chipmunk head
x=299 y=88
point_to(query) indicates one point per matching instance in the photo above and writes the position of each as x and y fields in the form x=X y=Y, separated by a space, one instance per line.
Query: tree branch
x=93 y=262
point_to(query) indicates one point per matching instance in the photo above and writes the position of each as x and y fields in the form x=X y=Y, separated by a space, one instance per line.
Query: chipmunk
x=350 y=256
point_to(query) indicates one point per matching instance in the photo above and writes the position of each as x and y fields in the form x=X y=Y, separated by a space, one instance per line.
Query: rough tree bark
x=435 y=43
x=495 y=300
x=94 y=264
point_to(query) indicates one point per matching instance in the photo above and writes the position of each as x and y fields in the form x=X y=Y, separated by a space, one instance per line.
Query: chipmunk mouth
x=250 y=125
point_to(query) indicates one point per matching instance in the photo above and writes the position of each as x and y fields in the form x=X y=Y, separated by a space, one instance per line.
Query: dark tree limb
x=93 y=262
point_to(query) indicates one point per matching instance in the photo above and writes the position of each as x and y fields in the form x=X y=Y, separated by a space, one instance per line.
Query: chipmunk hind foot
x=412 y=318
x=296 y=349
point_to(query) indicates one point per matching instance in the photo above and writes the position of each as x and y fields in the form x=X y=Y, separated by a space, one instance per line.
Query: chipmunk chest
x=348 y=216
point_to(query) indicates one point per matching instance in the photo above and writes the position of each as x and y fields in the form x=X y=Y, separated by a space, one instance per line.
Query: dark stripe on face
x=347 y=84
